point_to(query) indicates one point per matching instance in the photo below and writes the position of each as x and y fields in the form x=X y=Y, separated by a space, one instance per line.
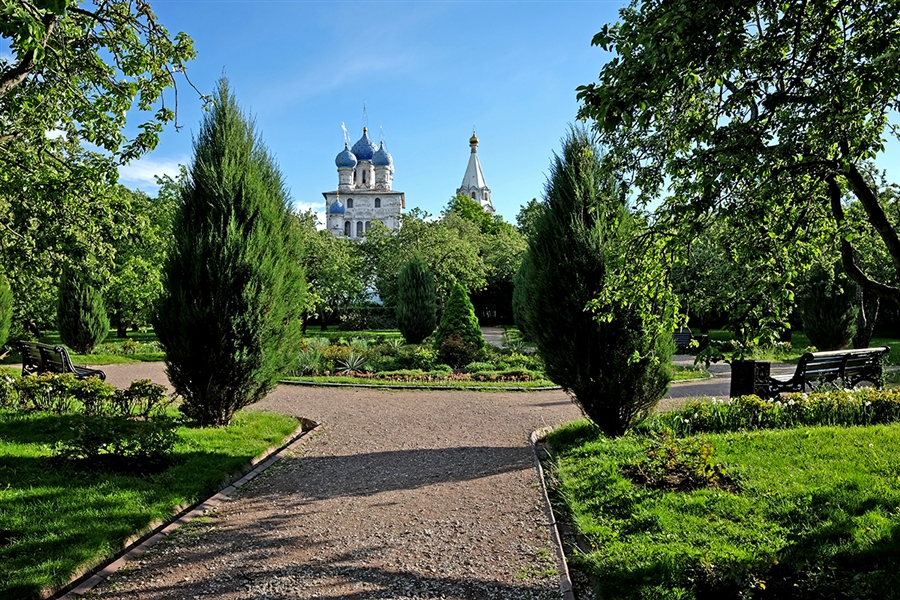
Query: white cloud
x=142 y=173
x=318 y=209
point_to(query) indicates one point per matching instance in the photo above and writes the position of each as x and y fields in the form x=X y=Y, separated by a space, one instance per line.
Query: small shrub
x=455 y=351
x=678 y=464
x=120 y=444
x=478 y=366
x=354 y=363
x=416 y=357
x=459 y=320
x=309 y=362
x=143 y=398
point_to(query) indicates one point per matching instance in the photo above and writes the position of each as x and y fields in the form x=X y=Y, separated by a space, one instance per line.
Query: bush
x=416 y=357
x=120 y=444
x=828 y=307
x=478 y=366
x=416 y=301
x=455 y=351
x=230 y=314
x=459 y=319
x=867 y=406
x=62 y=393
x=80 y=315
x=614 y=363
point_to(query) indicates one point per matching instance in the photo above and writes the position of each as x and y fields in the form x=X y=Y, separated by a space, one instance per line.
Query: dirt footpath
x=404 y=494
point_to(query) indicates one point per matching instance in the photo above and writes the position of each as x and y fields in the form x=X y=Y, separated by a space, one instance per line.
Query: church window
x=364 y=176
x=377 y=202
x=347 y=228
x=354 y=177
x=367 y=226
x=473 y=195
x=349 y=202
x=359 y=229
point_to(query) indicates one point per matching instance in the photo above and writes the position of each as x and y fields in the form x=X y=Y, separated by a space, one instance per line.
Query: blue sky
x=427 y=71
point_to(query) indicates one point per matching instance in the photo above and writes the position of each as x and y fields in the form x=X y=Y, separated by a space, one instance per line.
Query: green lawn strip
x=817 y=516
x=333 y=331
x=55 y=520
x=463 y=385
x=684 y=373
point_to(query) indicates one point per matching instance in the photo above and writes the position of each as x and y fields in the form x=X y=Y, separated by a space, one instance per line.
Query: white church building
x=364 y=194
x=473 y=181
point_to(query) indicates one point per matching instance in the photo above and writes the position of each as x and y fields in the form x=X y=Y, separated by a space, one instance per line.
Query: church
x=365 y=191
x=364 y=194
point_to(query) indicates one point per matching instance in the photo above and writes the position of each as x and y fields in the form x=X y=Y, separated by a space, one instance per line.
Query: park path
x=403 y=494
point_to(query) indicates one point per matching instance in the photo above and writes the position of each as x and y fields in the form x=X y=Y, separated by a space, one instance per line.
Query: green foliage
x=828 y=308
x=81 y=315
x=761 y=116
x=45 y=499
x=614 y=360
x=459 y=320
x=229 y=318
x=416 y=301
x=75 y=74
x=6 y=306
x=835 y=407
x=456 y=352
x=528 y=216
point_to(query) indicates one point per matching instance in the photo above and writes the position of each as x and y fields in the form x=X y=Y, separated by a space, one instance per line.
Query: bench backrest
x=44 y=357
x=822 y=365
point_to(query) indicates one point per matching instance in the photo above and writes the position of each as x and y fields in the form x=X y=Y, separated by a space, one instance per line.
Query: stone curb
x=565 y=581
x=544 y=388
x=139 y=544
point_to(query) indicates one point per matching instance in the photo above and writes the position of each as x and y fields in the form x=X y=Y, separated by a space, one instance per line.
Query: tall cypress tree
x=615 y=371
x=80 y=315
x=229 y=318
x=416 y=301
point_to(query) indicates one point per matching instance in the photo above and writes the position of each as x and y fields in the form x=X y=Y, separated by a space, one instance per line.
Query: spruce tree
x=458 y=337
x=80 y=314
x=416 y=301
x=6 y=305
x=828 y=308
x=615 y=370
x=229 y=318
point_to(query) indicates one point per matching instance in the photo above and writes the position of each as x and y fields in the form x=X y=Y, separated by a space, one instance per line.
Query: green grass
x=99 y=356
x=55 y=520
x=817 y=515
x=799 y=344
x=454 y=383
x=333 y=331
x=683 y=373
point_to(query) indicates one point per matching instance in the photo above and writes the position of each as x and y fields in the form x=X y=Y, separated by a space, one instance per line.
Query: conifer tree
x=615 y=370
x=80 y=315
x=6 y=307
x=828 y=309
x=229 y=318
x=458 y=338
x=416 y=301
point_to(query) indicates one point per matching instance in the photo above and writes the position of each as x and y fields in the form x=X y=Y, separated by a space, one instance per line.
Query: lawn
x=139 y=346
x=811 y=512
x=800 y=344
x=55 y=519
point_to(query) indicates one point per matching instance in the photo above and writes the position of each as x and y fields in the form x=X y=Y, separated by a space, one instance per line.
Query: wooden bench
x=845 y=368
x=684 y=337
x=44 y=358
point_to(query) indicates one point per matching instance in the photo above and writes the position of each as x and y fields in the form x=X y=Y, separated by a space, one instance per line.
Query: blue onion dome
x=336 y=208
x=346 y=159
x=382 y=158
x=365 y=148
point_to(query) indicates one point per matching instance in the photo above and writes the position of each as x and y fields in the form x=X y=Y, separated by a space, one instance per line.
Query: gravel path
x=403 y=495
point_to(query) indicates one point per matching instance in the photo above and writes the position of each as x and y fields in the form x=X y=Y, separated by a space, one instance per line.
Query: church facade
x=365 y=191
x=473 y=184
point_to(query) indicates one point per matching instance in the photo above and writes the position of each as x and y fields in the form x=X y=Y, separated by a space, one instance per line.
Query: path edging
x=543 y=388
x=565 y=581
x=137 y=545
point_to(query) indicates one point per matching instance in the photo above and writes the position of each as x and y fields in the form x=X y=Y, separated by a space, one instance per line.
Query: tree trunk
x=865 y=319
x=121 y=324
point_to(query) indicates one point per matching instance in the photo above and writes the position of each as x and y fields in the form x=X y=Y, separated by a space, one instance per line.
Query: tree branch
x=18 y=73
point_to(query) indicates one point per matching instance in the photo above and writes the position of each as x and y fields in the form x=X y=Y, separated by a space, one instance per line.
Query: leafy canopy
x=758 y=113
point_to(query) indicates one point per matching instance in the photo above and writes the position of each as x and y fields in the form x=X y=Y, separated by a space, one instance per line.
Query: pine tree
x=416 y=301
x=80 y=315
x=6 y=306
x=828 y=309
x=613 y=368
x=458 y=338
x=229 y=318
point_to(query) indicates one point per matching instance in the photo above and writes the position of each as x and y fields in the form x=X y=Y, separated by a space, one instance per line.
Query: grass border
x=418 y=386
x=89 y=576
